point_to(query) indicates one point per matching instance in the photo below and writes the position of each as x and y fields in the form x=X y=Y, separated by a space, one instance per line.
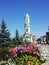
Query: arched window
x=26 y=30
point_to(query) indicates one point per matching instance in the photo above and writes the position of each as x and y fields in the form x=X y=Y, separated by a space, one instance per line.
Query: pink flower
x=22 y=49
x=35 y=53
x=14 y=55
x=27 y=49
x=35 y=46
x=16 y=49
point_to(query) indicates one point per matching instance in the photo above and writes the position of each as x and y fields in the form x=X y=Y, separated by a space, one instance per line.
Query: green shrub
x=27 y=60
x=3 y=64
x=13 y=45
x=3 y=52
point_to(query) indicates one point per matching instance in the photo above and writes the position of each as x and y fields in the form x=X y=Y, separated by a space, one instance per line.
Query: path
x=47 y=62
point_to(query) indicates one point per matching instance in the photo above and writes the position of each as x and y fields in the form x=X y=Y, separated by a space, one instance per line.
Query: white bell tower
x=27 y=24
x=27 y=37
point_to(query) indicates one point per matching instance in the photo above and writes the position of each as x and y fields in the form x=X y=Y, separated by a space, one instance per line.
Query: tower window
x=26 y=30
x=27 y=21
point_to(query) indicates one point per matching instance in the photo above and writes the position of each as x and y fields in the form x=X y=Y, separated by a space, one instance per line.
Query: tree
x=17 y=35
x=4 y=35
x=21 y=38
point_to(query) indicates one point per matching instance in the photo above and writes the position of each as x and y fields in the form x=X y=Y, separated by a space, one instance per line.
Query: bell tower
x=27 y=24
x=27 y=37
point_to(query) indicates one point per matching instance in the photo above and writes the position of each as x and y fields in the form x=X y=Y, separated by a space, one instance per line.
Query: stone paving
x=47 y=62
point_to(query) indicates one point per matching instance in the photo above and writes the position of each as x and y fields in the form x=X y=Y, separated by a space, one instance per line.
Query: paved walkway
x=47 y=62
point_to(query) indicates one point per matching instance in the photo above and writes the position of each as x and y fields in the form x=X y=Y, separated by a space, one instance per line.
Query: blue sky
x=13 y=12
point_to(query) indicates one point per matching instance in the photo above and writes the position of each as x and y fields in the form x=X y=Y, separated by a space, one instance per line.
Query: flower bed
x=31 y=49
x=27 y=55
x=23 y=55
